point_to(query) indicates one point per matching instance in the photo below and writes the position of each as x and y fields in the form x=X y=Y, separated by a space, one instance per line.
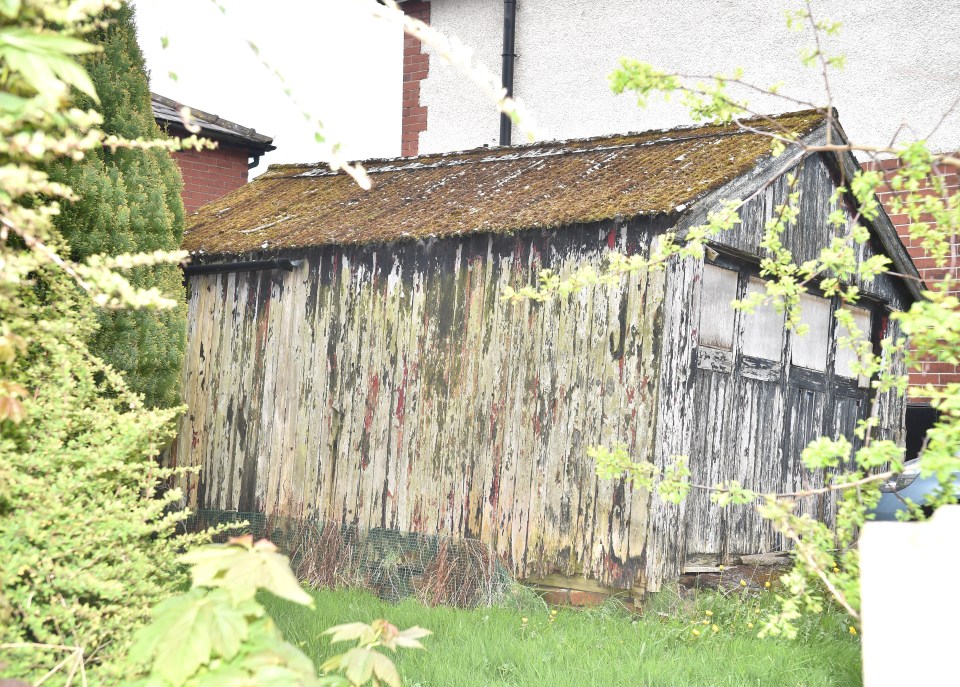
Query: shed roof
x=167 y=111
x=485 y=190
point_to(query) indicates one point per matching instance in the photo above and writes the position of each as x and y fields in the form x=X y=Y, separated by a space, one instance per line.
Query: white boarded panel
x=810 y=350
x=846 y=356
x=716 y=313
x=763 y=329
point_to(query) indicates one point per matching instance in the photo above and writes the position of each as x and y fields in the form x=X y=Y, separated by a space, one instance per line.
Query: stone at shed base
x=580 y=598
x=556 y=597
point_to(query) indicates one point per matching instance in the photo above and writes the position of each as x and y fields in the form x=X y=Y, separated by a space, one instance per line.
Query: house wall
x=211 y=174
x=932 y=371
x=566 y=49
x=416 y=65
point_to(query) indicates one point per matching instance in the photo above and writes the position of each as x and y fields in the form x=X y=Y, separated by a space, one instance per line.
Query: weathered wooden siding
x=392 y=387
x=816 y=177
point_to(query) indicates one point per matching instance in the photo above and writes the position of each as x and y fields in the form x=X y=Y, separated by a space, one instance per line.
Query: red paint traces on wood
x=402 y=394
x=612 y=239
x=262 y=327
x=373 y=391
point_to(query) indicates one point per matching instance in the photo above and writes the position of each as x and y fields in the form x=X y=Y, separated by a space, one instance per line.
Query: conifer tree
x=129 y=201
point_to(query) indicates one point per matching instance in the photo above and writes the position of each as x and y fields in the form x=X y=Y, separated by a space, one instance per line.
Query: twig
x=943 y=118
x=38 y=246
x=823 y=68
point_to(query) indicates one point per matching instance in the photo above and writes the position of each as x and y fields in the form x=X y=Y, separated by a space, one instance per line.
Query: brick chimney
x=416 y=65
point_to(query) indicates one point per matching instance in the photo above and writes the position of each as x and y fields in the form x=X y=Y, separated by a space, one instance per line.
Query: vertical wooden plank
x=675 y=417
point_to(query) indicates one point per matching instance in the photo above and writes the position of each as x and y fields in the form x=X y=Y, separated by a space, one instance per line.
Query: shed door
x=762 y=394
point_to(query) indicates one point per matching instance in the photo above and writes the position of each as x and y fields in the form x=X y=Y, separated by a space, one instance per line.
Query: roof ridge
x=531 y=153
x=411 y=162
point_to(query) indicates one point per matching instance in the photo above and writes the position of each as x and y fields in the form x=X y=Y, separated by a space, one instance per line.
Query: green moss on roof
x=500 y=190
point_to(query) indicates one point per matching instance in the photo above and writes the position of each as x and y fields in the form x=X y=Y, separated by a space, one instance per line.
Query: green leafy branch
x=219 y=634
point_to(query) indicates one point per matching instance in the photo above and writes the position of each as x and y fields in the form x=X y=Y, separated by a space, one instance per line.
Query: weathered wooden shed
x=350 y=357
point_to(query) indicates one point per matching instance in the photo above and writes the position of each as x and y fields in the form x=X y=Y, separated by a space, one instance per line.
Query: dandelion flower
x=715 y=628
x=696 y=633
x=836 y=569
x=853 y=630
x=523 y=620
x=767 y=584
x=708 y=613
x=749 y=626
x=721 y=568
x=743 y=583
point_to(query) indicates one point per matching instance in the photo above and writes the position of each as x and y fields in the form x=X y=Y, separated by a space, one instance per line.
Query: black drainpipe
x=509 y=56
x=247 y=266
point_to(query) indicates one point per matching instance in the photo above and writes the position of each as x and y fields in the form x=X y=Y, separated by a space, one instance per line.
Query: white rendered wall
x=903 y=64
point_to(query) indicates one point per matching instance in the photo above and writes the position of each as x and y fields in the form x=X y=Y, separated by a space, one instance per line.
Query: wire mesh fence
x=435 y=569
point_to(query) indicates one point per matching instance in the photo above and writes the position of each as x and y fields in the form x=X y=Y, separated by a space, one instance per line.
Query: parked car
x=907 y=485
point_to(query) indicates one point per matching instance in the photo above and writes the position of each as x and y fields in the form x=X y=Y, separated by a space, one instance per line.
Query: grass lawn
x=604 y=646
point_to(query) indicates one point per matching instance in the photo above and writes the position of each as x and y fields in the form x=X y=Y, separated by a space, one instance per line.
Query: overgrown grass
x=670 y=646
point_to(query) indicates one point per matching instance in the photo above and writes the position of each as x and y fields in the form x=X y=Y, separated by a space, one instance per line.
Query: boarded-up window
x=716 y=313
x=762 y=330
x=846 y=356
x=810 y=350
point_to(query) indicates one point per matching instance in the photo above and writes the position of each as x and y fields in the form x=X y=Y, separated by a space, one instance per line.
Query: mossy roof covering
x=500 y=190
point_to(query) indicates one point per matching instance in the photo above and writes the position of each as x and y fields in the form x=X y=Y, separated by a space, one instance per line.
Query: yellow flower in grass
x=743 y=583
x=696 y=633
x=853 y=630
x=836 y=569
x=715 y=628
x=749 y=626
x=708 y=613
x=523 y=620
x=767 y=584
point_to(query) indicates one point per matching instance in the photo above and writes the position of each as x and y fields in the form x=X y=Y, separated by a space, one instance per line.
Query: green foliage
x=129 y=201
x=86 y=551
x=363 y=664
x=219 y=634
x=86 y=544
x=610 y=644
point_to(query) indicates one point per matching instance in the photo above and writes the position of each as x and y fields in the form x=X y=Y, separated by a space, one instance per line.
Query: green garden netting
x=435 y=569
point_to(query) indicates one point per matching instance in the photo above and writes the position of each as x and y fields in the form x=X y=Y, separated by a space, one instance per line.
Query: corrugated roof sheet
x=500 y=190
x=211 y=126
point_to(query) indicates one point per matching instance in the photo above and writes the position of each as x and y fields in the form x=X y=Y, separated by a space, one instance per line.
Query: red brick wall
x=931 y=372
x=210 y=174
x=416 y=65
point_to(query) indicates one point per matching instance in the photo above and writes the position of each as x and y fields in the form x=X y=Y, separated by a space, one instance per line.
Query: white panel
x=762 y=330
x=810 y=350
x=716 y=312
x=845 y=356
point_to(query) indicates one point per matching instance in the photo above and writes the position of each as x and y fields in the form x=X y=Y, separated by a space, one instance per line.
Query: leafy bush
x=86 y=546
x=218 y=633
